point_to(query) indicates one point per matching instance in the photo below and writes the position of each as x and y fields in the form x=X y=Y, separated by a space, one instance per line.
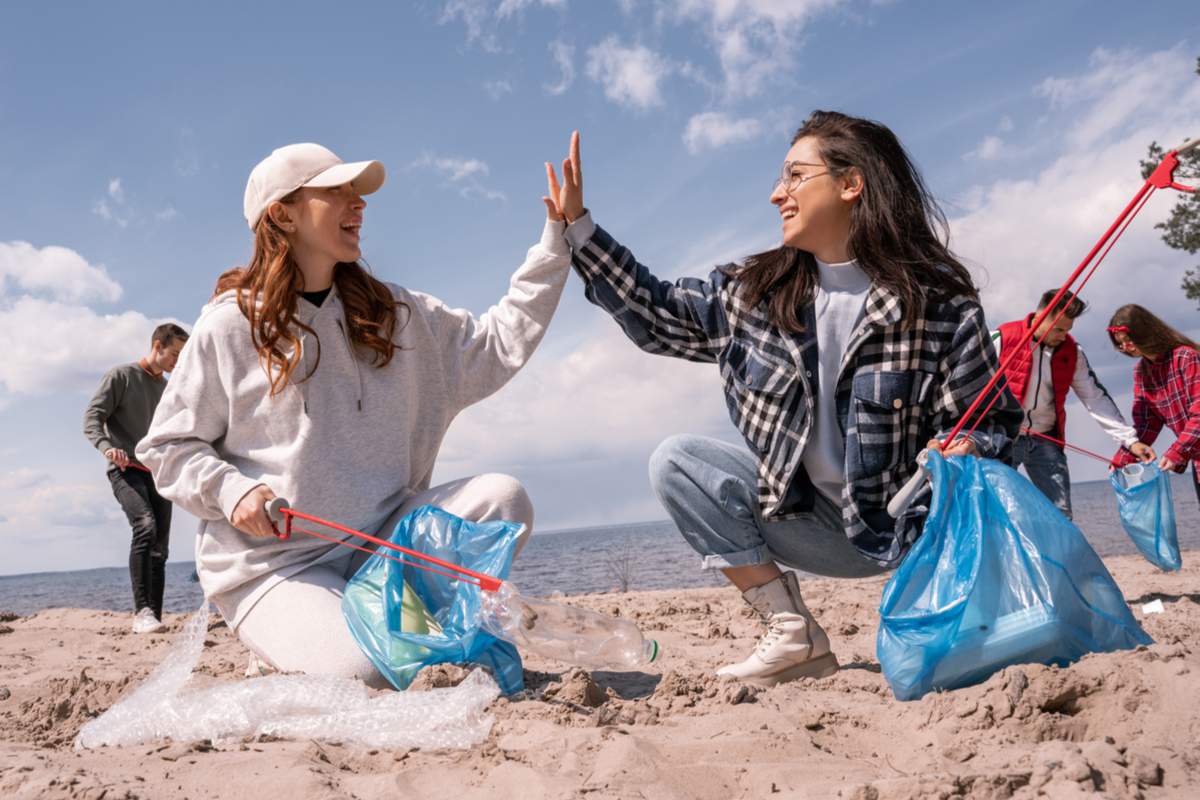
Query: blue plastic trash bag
x=405 y=618
x=1148 y=513
x=998 y=577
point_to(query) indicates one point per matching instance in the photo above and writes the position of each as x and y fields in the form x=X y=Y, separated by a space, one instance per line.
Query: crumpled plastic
x=998 y=577
x=289 y=707
x=1148 y=513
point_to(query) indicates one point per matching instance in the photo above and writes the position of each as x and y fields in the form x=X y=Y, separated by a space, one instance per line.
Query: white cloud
x=1030 y=231
x=166 y=214
x=108 y=213
x=481 y=20
x=755 y=40
x=603 y=399
x=497 y=88
x=1122 y=91
x=115 y=191
x=23 y=479
x=56 y=271
x=714 y=129
x=464 y=174
x=72 y=347
x=631 y=76
x=991 y=148
x=564 y=57
x=510 y=7
x=48 y=505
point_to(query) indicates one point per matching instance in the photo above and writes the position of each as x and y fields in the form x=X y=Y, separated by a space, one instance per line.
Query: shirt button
x=808 y=373
x=897 y=404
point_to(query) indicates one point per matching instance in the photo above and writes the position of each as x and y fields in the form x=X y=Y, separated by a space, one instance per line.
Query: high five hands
x=565 y=202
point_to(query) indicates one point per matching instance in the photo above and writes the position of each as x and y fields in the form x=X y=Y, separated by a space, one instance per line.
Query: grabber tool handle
x=282 y=522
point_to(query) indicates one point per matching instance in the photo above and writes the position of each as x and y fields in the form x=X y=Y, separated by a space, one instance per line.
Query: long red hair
x=266 y=294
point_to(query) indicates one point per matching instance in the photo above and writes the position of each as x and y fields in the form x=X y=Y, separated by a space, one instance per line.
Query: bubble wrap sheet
x=288 y=706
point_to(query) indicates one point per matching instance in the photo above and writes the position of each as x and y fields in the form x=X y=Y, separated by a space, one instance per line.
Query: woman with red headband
x=1166 y=386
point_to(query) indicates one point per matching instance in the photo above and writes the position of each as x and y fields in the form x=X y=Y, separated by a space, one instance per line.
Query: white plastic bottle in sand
x=565 y=633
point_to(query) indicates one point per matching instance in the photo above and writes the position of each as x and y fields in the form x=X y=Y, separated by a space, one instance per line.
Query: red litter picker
x=1163 y=177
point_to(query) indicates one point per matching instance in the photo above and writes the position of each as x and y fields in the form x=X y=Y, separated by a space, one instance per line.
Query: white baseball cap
x=307 y=164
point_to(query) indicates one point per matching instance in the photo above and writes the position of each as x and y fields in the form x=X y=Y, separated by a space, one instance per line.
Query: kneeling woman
x=843 y=353
x=1166 y=386
x=308 y=377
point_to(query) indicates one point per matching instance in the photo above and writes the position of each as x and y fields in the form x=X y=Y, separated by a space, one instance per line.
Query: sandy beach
x=1120 y=725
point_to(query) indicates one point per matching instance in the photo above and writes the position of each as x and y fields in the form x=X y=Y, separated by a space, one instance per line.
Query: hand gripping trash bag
x=406 y=618
x=1148 y=513
x=998 y=577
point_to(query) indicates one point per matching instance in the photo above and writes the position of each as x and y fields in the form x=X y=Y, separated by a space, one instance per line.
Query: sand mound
x=54 y=717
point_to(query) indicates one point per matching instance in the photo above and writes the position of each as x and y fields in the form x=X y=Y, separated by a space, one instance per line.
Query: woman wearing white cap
x=307 y=377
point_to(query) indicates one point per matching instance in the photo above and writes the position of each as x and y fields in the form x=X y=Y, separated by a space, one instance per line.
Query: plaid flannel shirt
x=1167 y=392
x=898 y=387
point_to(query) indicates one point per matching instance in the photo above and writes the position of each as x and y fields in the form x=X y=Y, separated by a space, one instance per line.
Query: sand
x=1119 y=725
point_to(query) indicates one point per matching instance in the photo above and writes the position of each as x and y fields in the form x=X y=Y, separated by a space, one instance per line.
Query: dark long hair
x=1149 y=334
x=898 y=233
x=266 y=294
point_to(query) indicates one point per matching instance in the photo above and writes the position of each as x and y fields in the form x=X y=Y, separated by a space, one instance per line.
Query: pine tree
x=1181 y=230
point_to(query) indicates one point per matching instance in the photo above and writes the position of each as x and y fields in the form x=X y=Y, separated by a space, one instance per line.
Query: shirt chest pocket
x=888 y=409
x=757 y=386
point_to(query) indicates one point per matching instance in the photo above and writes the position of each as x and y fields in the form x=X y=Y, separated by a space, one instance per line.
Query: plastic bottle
x=565 y=633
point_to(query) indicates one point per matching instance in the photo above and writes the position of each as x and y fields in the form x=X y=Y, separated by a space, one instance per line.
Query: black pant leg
x=161 y=551
x=132 y=491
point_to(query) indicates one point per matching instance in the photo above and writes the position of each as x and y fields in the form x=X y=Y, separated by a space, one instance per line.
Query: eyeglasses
x=791 y=182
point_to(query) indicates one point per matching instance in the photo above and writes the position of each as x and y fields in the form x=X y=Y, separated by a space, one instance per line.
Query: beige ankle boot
x=794 y=645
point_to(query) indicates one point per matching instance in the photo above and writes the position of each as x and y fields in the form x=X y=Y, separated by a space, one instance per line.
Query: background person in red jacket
x=1166 y=386
x=1040 y=377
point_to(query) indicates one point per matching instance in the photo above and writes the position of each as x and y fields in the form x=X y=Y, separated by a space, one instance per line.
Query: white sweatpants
x=298 y=626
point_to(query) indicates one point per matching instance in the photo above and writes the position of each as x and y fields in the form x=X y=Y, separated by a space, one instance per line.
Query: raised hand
x=568 y=196
x=551 y=200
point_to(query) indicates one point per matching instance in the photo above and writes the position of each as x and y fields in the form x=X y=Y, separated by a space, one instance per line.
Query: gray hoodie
x=350 y=442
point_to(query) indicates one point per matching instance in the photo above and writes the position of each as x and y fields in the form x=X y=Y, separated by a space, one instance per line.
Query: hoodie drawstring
x=354 y=359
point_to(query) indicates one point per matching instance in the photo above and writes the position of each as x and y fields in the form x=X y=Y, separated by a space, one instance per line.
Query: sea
x=629 y=557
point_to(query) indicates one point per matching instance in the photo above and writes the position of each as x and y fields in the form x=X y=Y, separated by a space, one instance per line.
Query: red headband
x=1118 y=329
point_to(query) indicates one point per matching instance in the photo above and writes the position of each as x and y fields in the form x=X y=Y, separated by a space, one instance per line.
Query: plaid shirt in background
x=1167 y=392
x=898 y=387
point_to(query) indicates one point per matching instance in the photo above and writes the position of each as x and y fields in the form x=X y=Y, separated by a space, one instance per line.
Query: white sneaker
x=794 y=645
x=144 y=621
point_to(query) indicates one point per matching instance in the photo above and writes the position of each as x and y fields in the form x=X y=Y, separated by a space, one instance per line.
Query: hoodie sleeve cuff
x=580 y=231
x=233 y=489
x=552 y=238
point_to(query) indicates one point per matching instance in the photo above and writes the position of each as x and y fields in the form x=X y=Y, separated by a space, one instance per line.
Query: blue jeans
x=1046 y=465
x=710 y=489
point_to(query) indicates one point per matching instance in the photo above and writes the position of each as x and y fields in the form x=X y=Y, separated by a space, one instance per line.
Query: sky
x=128 y=130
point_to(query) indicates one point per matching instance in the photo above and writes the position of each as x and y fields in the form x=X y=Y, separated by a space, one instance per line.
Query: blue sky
x=128 y=131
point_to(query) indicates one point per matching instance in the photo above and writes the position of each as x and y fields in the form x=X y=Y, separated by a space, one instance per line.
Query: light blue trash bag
x=998 y=577
x=405 y=618
x=1148 y=513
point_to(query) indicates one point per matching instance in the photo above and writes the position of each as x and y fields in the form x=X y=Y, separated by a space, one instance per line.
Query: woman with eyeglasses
x=844 y=352
x=1166 y=386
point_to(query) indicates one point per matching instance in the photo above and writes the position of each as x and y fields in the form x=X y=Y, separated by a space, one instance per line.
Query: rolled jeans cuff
x=742 y=558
